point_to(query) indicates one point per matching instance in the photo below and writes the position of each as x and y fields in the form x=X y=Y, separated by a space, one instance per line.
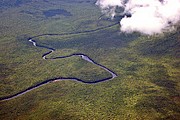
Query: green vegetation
x=147 y=86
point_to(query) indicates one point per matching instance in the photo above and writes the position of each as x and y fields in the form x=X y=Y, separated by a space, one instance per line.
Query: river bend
x=55 y=79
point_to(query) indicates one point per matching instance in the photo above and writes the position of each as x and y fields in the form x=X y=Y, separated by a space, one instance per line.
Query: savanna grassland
x=148 y=67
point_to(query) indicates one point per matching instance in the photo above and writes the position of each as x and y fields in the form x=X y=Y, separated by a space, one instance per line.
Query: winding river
x=81 y=55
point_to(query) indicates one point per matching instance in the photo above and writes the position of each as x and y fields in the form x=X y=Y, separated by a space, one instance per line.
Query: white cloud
x=109 y=6
x=148 y=16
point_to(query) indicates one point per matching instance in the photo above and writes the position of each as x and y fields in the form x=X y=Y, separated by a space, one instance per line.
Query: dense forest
x=147 y=85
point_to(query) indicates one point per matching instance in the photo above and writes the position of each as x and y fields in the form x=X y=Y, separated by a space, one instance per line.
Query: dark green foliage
x=54 y=12
x=147 y=86
x=168 y=45
x=161 y=105
x=13 y=3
